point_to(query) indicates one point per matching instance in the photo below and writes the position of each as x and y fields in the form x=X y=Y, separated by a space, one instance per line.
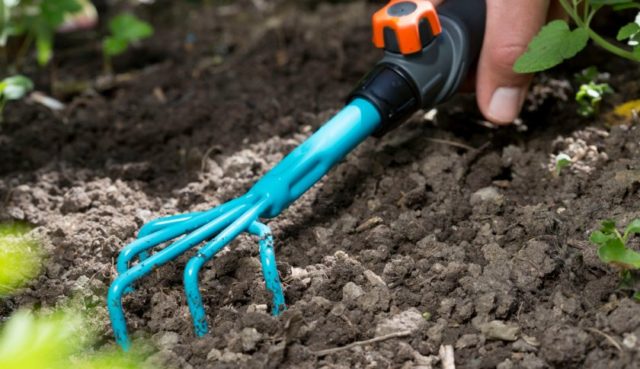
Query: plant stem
x=22 y=51
x=572 y=11
x=107 y=66
x=3 y=101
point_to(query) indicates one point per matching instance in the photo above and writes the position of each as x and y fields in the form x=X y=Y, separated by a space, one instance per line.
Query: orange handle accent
x=403 y=18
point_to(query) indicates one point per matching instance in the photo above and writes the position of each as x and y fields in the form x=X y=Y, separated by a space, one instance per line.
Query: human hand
x=510 y=26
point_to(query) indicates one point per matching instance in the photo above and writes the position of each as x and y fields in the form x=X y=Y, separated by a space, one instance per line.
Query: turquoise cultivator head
x=426 y=58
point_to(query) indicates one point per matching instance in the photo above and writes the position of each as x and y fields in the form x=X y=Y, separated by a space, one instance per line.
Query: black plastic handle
x=399 y=85
x=471 y=14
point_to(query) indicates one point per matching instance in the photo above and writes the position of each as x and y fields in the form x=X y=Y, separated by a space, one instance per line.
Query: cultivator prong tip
x=221 y=225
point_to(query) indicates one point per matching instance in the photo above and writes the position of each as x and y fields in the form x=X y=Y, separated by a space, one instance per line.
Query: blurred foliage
x=125 y=29
x=59 y=340
x=20 y=257
x=13 y=88
x=37 y=21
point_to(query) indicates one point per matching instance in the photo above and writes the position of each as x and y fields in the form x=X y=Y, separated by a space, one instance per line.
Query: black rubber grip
x=425 y=79
x=472 y=15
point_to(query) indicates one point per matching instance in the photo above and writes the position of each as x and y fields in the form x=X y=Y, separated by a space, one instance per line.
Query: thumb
x=511 y=24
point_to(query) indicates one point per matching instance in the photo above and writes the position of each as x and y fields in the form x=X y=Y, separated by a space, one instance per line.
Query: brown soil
x=408 y=224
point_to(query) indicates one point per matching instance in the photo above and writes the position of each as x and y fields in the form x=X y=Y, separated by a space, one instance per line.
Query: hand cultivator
x=427 y=55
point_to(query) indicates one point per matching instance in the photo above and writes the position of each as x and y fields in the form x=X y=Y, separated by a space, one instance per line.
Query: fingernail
x=505 y=104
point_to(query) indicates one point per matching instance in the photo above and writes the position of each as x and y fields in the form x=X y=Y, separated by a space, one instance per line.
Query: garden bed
x=458 y=224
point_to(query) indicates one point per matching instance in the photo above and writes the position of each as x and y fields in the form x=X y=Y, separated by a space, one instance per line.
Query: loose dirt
x=453 y=231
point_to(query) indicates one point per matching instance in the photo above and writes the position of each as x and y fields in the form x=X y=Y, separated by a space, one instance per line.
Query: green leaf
x=14 y=88
x=632 y=228
x=590 y=74
x=608 y=2
x=20 y=257
x=562 y=161
x=628 y=31
x=608 y=226
x=637 y=295
x=599 y=238
x=554 y=43
x=54 y=11
x=636 y=52
x=589 y=97
x=614 y=252
x=114 y=46
x=38 y=342
x=626 y=5
x=44 y=45
x=130 y=28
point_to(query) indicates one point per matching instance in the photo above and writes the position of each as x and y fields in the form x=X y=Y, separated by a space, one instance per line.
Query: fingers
x=511 y=24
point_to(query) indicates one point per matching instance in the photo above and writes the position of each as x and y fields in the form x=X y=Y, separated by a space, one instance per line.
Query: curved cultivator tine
x=126 y=279
x=165 y=229
x=269 y=269
x=192 y=290
x=158 y=225
x=162 y=223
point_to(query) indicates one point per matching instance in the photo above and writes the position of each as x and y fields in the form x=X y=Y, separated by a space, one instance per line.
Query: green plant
x=125 y=29
x=13 y=88
x=59 y=340
x=557 y=42
x=20 y=258
x=562 y=161
x=613 y=249
x=37 y=20
x=591 y=91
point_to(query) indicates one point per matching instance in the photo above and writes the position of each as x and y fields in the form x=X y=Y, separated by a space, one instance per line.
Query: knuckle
x=503 y=57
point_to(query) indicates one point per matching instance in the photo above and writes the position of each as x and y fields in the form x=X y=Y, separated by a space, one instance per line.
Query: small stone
x=568 y=305
x=485 y=303
x=408 y=320
x=214 y=355
x=75 y=200
x=467 y=340
x=627 y=177
x=487 y=195
x=630 y=341
x=507 y=364
x=351 y=292
x=368 y=224
x=531 y=361
x=167 y=340
x=522 y=346
x=166 y=359
x=625 y=317
x=233 y=357
x=143 y=215
x=249 y=338
x=374 y=279
x=338 y=309
x=322 y=235
x=531 y=340
x=347 y=223
x=257 y=308
x=499 y=330
x=396 y=270
x=446 y=306
x=299 y=273
x=321 y=302
x=435 y=332
x=377 y=299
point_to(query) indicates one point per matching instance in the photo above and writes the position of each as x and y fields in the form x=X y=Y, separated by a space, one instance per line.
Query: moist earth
x=447 y=229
